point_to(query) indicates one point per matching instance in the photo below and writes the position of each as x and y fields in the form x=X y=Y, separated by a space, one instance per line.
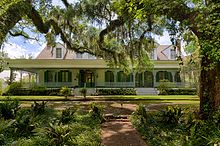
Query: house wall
x=41 y=77
x=167 y=52
x=101 y=77
x=75 y=77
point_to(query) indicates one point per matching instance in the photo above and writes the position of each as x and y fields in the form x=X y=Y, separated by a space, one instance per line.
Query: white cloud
x=164 y=40
x=14 y=50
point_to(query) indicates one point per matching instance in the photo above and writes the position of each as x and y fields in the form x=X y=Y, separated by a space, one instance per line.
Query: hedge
x=121 y=91
x=179 y=91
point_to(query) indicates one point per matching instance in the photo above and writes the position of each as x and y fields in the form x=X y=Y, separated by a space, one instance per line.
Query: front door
x=139 y=80
x=148 y=79
x=86 y=78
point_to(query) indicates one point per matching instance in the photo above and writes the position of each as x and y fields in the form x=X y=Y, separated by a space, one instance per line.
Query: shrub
x=65 y=91
x=181 y=91
x=172 y=115
x=83 y=91
x=38 y=108
x=8 y=108
x=97 y=112
x=23 y=125
x=37 y=91
x=67 y=115
x=14 y=88
x=140 y=115
x=121 y=91
x=58 y=134
x=163 y=86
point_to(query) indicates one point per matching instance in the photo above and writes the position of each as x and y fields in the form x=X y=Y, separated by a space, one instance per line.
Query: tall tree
x=122 y=30
x=201 y=17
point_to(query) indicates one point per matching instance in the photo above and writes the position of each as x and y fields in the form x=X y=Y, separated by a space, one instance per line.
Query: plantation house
x=57 y=67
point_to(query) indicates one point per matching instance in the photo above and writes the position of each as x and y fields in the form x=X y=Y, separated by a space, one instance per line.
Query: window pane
x=58 y=53
x=173 y=54
x=109 y=76
x=48 y=76
x=65 y=76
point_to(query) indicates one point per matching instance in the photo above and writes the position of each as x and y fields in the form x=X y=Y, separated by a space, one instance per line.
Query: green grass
x=154 y=97
x=128 y=97
x=34 y=97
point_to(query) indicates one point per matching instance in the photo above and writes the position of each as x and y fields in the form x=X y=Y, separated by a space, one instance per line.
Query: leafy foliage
x=122 y=32
x=9 y=108
x=171 y=115
x=58 y=134
x=38 y=108
x=120 y=91
x=65 y=91
x=177 y=127
x=97 y=112
x=68 y=115
x=13 y=88
x=163 y=86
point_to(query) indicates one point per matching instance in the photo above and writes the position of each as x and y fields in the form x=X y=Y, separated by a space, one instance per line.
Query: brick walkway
x=120 y=133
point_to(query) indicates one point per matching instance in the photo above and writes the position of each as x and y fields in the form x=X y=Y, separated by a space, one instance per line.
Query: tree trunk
x=209 y=87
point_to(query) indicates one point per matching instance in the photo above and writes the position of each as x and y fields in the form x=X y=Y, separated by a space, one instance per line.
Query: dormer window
x=58 y=52
x=172 y=53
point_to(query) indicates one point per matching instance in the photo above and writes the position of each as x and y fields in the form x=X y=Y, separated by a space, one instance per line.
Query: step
x=147 y=91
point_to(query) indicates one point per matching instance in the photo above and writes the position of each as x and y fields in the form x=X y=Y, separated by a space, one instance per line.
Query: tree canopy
x=122 y=31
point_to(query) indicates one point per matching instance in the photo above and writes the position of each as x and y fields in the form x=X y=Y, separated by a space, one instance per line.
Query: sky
x=18 y=47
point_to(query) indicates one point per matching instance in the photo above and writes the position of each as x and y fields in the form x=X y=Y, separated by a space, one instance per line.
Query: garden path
x=119 y=132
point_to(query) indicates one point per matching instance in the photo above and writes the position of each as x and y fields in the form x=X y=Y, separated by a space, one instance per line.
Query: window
x=78 y=55
x=122 y=77
x=64 y=76
x=58 y=52
x=109 y=76
x=164 y=75
x=48 y=76
x=172 y=53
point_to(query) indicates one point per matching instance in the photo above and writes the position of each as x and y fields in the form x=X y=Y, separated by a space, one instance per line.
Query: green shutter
x=55 y=77
x=69 y=76
x=59 y=76
x=46 y=76
x=157 y=77
x=111 y=77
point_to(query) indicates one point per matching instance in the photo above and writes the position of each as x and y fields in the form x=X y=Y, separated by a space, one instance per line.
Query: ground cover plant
x=41 y=125
x=177 y=126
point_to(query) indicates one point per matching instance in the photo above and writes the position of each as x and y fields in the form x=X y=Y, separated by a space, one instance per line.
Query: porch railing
x=116 y=84
x=174 y=84
x=57 y=84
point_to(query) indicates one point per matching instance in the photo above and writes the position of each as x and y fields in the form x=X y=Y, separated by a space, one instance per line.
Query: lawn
x=153 y=97
x=116 y=97
x=34 y=97
x=59 y=102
